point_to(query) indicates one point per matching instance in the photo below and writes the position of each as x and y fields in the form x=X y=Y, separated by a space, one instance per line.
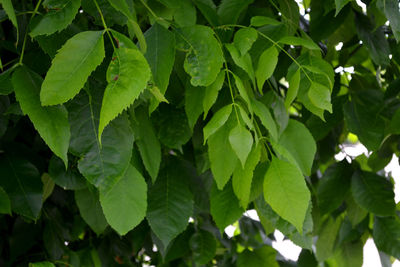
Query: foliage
x=133 y=132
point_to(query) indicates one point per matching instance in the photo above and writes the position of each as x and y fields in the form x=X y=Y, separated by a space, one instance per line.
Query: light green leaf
x=241 y=141
x=125 y=204
x=266 y=118
x=9 y=9
x=243 y=176
x=170 y=202
x=386 y=235
x=127 y=77
x=204 y=56
x=160 y=54
x=243 y=62
x=204 y=245
x=327 y=238
x=122 y=40
x=51 y=122
x=258 y=21
x=264 y=256
x=71 y=67
x=217 y=121
x=286 y=192
x=211 y=93
x=222 y=157
x=5 y=204
x=266 y=65
x=374 y=193
x=41 y=264
x=244 y=39
x=56 y=19
x=339 y=5
x=147 y=141
x=320 y=96
x=292 y=40
x=224 y=206
x=392 y=12
x=90 y=209
x=21 y=181
x=299 y=142
x=100 y=165
x=294 y=84
x=242 y=91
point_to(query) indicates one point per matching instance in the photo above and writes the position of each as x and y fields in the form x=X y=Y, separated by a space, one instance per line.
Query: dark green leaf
x=229 y=10
x=391 y=10
x=5 y=204
x=386 y=235
x=261 y=257
x=204 y=246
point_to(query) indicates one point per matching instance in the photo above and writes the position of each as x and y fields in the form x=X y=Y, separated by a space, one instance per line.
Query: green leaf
x=51 y=122
x=170 y=202
x=193 y=95
x=211 y=93
x=242 y=91
x=290 y=14
x=147 y=141
x=350 y=254
x=9 y=9
x=41 y=264
x=224 y=206
x=21 y=181
x=374 y=193
x=89 y=207
x=204 y=56
x=243 y=62
x=160 y=54
x=294 y=84
x=68 y=179
x=5 y=204
x=184 y=11
x=286 y=191
x=243 y=176
x=241 y=141
x=222 y=157
x=244 y=39
x=125 y=204
x=386 y=235
x=333 y=186
x=391 y=10
x=229 y=10
x=122 y=40
x=127 y=76
x=266 y=118
x=217 y=121
x=327 y=236
x=48 y=186
x=258 y=21
x=56 y=19
x=292 y=40
x=122 y=7
x=339 y=5
x=204 y=246
x=320 y=96
x=266 y=65
x=71 y=67
x=100 y=165
x=264 y=256
x=303 y=151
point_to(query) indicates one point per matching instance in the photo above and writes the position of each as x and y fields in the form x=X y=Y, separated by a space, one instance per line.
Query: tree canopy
x=133 y=132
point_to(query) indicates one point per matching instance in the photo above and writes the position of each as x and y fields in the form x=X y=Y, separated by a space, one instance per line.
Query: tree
x=134 y=132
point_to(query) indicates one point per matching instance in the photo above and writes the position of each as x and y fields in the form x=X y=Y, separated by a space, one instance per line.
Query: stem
x=104 y=24
x=150 y=10
x=26 y=32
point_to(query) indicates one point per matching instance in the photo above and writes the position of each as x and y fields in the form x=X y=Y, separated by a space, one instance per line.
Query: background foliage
x=133 y=132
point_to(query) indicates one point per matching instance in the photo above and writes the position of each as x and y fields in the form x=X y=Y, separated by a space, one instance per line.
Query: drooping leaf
x=243 y=61
x=147 y=142
x=374 y=193
x=224 y=206
x=51 y=122
x=9 y=9
x=217 y=121
x=258 y=21
x=90 y=209
x=294 y=84
x=290 y=14
x=303 y=152
x=241 y=141
x=295 y=41
x=392 y=12
x=204 y=245
x=264 y=256
x=266 y=118
x=320 y=96
x=229 y=10
x=69 y=179
x=57 y=19
x=243 y=176
x=211 y=93
x=125 y=204
x=222 y=157
x=204 y=57
x=386 y=235
x=244 y=39
x=193 y=95
x=5 y=204
x=350 y=254
x=328 y=235
x=286 y=192
x=266 y=65
x=21 y=181
x=48 y=186
x=71 y=67
x=170 y=202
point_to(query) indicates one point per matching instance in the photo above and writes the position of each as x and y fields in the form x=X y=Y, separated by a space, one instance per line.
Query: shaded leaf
x=204 y=246
x=264 y=256
x=391 y=10
x=386 y=235
x=5 y=204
